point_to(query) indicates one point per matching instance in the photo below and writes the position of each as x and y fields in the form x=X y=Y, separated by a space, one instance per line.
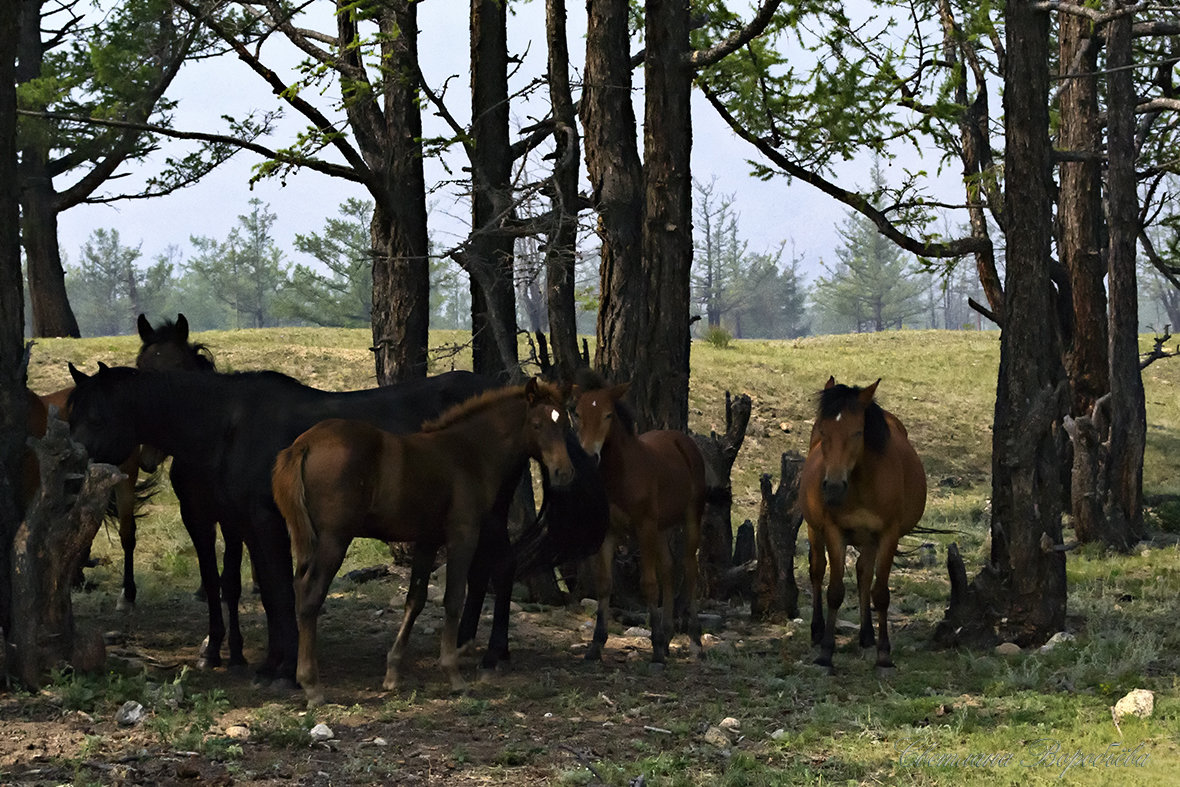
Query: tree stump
x=715 y=557
x=775 y=592
x=46 y=552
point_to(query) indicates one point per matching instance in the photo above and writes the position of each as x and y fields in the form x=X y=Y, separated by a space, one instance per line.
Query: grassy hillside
x=559 y=723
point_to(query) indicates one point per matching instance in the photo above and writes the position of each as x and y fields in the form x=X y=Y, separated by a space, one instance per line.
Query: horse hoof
x=825 y=666
x=124 y=606
x=289 y=684
x=593 y=653
x=885 y=671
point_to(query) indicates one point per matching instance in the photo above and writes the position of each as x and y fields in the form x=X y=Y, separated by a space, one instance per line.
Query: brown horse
x=862 y=484
x=449 y=484
x=654 y=481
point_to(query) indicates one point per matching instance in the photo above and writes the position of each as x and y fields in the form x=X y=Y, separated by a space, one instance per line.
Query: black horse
x=226 y=430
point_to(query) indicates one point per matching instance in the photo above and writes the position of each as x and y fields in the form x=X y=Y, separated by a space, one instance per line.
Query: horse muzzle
x=561 y=477
x=834 y=491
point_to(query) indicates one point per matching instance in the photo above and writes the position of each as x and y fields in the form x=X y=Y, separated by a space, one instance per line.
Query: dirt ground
x=551 y=718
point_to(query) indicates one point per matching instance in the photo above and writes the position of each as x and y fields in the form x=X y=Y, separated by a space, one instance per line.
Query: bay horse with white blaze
x=862 y=484
x=655 y=482
x=447 y=484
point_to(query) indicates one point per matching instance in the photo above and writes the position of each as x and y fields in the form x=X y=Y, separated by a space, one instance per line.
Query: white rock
x=730 y=723
x=322 y=732
x=637 y=631
x=130 y=714
x=238 y=732
x=1007 y=649
x=1139 y=702
x=1057 y=639
x=380 y=742
x=716 y=737
x=778 y=734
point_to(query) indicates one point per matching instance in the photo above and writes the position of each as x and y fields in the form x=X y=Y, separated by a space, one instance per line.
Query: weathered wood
x=47 y=549
x=775 y=592
x=720 y=452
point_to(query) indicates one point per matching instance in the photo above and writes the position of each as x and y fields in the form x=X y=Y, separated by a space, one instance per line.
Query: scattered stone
x=1007 y=649
x=130 y=714
x=237 y=732
x=1139 y=702
x=1055 y=640
x=380 y=742
x=730 y=724
x=708 y=640
x=715 y=736
x=321 y=732
x=778 y=734
x=797 y=621
x=637 y=631
x=847 y=625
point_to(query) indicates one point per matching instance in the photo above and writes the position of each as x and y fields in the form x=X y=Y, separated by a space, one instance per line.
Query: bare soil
x=551 y=718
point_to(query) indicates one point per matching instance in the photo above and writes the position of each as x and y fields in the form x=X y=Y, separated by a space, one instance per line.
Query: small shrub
x=718 y=337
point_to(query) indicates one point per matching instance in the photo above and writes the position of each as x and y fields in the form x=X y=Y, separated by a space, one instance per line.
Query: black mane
x=846 y=398
x=170 y=332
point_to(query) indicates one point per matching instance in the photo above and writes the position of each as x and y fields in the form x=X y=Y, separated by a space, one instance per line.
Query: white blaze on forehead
x=839 y=416
x=556 y=416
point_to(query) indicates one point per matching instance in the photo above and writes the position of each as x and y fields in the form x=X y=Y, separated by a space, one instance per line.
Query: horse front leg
x=421 y=563
x=817 y=567
x=834 y=542
x=231 y=587
x=201 y=527
x=503 y=571
x=656 y=582
x=270 y=557
x=884 y=564
x=125 y=506
x=604 y=582
x=864 y=584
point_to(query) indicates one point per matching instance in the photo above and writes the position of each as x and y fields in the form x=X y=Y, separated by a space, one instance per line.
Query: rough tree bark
x=46 y=552
x=616 y=181
x=489 y=255
x=561 y=245
x=1021 y=594
x=401 y=270
x=720 y=451
x=775 y=591
x=13 y=409
x=1128 y=408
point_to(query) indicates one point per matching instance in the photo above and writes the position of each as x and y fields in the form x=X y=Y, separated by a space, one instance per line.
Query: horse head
x=848 y=420
x=100 y=414
x=168 y=347
x=596 y=411
x=546 y=424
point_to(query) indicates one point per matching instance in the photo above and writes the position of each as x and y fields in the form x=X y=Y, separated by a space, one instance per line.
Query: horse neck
x=497 y=434
x=619 y=444
x=173 y=428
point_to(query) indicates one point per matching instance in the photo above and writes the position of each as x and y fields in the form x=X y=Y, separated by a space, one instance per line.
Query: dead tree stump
x=775 y=592
x=47 y=549
x=715 y=557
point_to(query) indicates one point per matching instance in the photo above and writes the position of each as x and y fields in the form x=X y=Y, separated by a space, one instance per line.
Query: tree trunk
x=616 y=177
x=489 y=256
x=660 y=392
x=1128 y=427
x=1021 y=595
x=775 y=590
x=50 y=307
x=13 y=415
x=46 y=552
x=561 y=246
x=401 y=269
x=720 y=452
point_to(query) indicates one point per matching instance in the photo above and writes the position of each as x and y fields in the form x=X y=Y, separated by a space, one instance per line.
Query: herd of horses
x=289 y=470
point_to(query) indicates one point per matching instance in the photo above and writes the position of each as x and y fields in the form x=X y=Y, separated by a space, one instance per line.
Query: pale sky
x=770 y=212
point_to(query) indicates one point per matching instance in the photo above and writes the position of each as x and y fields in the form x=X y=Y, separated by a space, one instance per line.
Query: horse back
x=670 y=465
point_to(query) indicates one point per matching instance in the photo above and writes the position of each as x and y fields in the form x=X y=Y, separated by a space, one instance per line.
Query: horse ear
x=867 y=394
x=530 y=390
x=146 y=332
x=182 y=326
x=830 y=383
x=78 y=376
x=619 y=391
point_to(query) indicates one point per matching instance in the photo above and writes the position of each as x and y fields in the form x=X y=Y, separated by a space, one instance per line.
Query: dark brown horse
x=862 y=484
x=345 y=479
x=655 y=482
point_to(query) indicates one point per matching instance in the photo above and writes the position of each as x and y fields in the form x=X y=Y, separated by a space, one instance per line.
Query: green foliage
x=245 y=270
x=873 y=287
x=717 y=336
x=108 y=290
x=342 y=298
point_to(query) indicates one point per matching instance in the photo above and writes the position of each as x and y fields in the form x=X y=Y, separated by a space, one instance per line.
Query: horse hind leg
x=315 y=576
x=125 y=505
x=422 y=561
x=231 y=591
x=656 y=582
x=692 y=538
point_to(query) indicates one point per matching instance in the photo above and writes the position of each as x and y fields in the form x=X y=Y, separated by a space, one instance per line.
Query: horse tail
x=290 y=496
